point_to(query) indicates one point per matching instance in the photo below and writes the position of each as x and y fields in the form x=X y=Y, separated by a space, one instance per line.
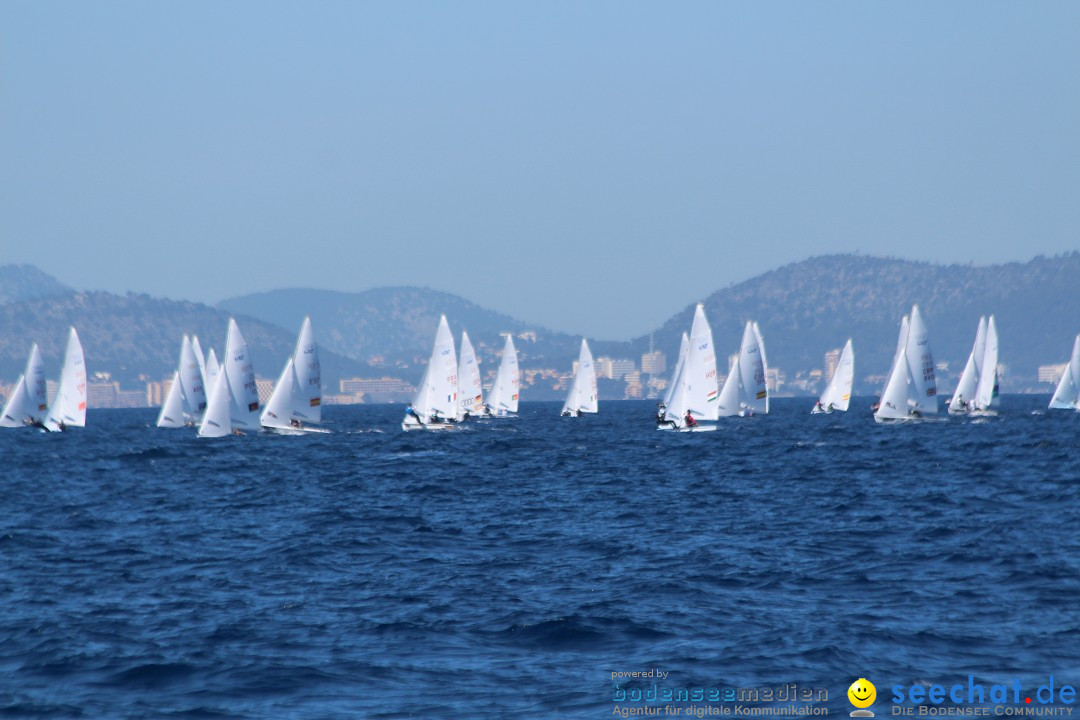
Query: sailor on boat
x=32 y=422
x=409 y=411
x=690 y=421
x=661 y=408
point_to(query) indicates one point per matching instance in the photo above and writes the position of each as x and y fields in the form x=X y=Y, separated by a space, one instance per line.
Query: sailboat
x=1067 y=394
x=296 y=401
x=213 y=369
x=911 y=390
x=217 y=420
x=745 y=391
x=470 y=389
x=964 y=396
x=234 y=402
x=188 y=385
x=986 y=391
x=29 y=400
x=200 y=358
x=172 y=410
x=730 y=392
x=69 y=406
x=435 y=406
x=837 y=395
x=503 y=399
x=693 y=392
x=582 y=396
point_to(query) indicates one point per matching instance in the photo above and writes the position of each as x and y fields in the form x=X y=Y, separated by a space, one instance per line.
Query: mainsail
x=69 y=407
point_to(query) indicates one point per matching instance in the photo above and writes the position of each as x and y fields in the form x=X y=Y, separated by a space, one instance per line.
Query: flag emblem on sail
x=315 y=402
x=761 y=394
x=252 y=407
x=712 y=396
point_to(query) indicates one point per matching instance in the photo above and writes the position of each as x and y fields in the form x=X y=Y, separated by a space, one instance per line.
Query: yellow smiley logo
x=862 y=693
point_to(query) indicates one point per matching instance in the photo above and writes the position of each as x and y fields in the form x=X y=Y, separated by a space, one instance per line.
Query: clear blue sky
x=591 y=166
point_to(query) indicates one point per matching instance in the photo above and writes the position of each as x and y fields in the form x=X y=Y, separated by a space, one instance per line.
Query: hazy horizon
x=629 y=158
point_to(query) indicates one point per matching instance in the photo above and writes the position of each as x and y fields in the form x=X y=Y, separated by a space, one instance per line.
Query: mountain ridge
x=136 y=335
x=804 y=308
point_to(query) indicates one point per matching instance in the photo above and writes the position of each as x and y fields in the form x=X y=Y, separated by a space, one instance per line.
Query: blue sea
x=511 y=569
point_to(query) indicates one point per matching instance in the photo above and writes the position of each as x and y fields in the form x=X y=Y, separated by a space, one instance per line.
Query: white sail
x=217 y=421
x=901 y=342
x=200 y=358
x=582 y=395
x=503 y=397
x=1067 y=394
x=969 y=378
x=29 y=400
x=921 y=364
x=213 y=369
x=676 y=407
x=172 y=410
x=732 y=390
x=893 y=404
x=684 y=348
x=243 y=392
x=17 y=404
x=191 y=382
x=69 y=406
x=987 y=391
x=470 y=390
x=279 y=407
x=754 y=396
x=701 y=389
x=297 y=396
x=588 y=399
x=764 y=362
x=979 y=349
x=894 y=398
x=837 y=395
x=436 y=398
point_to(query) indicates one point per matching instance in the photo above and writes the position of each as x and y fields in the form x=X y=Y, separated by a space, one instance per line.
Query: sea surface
x=507 y=570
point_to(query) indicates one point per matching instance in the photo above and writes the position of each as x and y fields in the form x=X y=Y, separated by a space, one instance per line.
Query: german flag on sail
x=761 y=395
x=315 y=402
x=712 y=396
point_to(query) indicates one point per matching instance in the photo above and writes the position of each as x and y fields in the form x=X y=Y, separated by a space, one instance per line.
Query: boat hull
x=696 y=428
x=294 y=431
x=410 y=423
